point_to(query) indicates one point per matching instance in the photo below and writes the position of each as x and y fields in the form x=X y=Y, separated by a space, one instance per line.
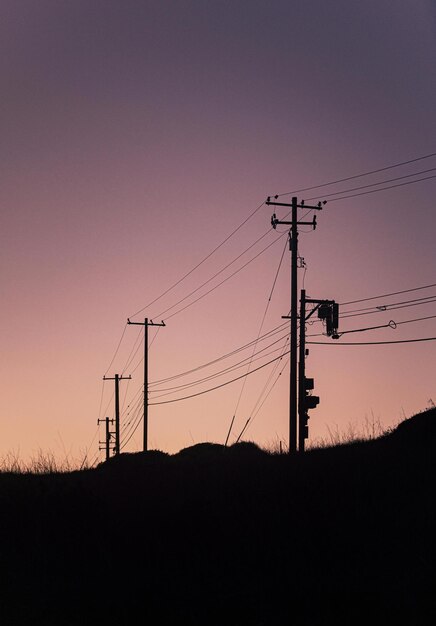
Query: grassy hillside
x=216 y=535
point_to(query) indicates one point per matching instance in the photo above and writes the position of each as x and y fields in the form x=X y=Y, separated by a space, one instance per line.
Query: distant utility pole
x=328 y=311
x=117 y=379
x=146 y=323
x=293 y=244
x=109 y=434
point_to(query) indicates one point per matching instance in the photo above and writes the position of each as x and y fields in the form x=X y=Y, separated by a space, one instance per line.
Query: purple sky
x=137 y=135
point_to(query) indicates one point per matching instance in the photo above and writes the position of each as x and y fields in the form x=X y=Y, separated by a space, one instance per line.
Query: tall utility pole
x=294 y=223
x=117 y=379
x=146 y=323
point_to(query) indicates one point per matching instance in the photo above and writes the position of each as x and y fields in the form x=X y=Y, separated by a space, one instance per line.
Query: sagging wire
x=258 y=336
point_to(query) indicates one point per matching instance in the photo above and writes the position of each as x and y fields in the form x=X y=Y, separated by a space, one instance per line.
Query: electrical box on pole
x=328 y=311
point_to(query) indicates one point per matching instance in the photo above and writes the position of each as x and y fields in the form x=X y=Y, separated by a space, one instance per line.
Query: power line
x=109 y=402
x=370 y=343
x=125 y=394
x=260 y=330
x=214 y=276
x=101 y=398
x=247 y=219
x=393 y=306
x=224 y=280
x=132 y=401
x=201 y=262
x=258 y=404
x=380 y=310
x=266 y=397
x=133 y=412
x=382 y=182
x=364 y=193
x=258 y=208
x=390 y=307
x=116 y=351
x=237 y=271
x=219 y=386
x=387 y=307
x=232 y=368
x=304 y=189
x=85 y=458
x=269 y=334
x=133 y=352
x=241 y=363
x=417 y=319
x=386 y=295
x=134 y=426
x=136 y=416
x=343 y=180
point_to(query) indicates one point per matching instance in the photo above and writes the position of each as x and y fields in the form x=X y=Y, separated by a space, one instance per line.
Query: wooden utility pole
x=146 y=323
x=293 y=239
x=117 y=379
x=108 y=436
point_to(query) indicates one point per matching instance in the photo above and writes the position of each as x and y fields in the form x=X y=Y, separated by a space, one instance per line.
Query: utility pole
x=109 y=434
x=328 y=311
x=117 y=379
x=293 y=242
x=146 y=323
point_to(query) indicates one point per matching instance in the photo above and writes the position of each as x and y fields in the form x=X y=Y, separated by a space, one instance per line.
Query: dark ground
x=228 y=536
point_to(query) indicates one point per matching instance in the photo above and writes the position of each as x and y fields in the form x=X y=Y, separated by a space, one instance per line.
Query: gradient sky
x=136 y=136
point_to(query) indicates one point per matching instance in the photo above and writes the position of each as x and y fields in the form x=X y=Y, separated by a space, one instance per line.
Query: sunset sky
x=137 y=136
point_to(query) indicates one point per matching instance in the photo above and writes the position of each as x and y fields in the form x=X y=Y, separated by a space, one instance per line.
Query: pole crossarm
x=302 y=205
x=117 y=377
x=275 y=222
x=147 y=323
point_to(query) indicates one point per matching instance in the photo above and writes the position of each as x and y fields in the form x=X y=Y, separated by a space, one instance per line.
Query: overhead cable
x=269 y=334
x=382 y=182
x=343 y=180
x=386 y=295
x=224 y=280
x=200 y=393
x=201 y=262
x=365 y=193
x=214 y=276
x=369 y=343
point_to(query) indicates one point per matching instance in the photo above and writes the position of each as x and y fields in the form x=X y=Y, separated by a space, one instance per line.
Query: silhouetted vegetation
x=227 y=535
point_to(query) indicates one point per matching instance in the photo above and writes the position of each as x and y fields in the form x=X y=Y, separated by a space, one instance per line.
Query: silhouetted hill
x=227 y=535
